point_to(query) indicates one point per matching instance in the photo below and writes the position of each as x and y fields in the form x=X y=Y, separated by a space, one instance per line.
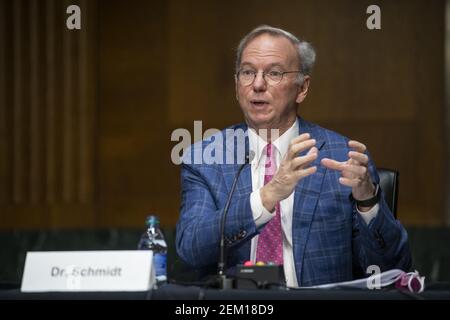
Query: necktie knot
x=271 y=165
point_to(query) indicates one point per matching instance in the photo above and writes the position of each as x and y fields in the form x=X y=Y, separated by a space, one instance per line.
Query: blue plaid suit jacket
x=331 y=242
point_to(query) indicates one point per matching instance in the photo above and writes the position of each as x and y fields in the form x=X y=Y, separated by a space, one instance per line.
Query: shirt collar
x=258 y=144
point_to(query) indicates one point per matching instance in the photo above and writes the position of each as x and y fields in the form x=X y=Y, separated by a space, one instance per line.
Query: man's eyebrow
x=246 y=64
x=274 y=64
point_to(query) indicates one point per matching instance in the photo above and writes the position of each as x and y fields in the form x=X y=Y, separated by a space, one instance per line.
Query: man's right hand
x=291 y=170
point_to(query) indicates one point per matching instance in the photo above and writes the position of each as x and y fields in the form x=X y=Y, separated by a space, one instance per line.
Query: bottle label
x=160 y=242
x=160 y=263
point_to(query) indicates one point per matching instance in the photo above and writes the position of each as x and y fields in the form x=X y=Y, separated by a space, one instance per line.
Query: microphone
x=226 y=283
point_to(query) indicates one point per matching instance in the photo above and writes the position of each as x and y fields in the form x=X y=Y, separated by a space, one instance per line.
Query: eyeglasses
x=247 y=76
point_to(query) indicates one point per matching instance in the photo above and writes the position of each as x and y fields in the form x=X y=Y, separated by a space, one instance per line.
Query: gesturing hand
x=292 y=169
x=355 y=172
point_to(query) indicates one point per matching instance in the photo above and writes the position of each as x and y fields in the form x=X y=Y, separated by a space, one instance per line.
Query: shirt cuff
x=369 y=215
x=260 y=214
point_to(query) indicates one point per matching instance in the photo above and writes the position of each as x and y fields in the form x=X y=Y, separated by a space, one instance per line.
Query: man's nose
x=259 y=84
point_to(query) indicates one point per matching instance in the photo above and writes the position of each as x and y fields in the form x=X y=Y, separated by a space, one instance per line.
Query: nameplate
x=88 y=271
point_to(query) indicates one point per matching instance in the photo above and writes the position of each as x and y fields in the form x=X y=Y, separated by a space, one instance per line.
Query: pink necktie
x=270 y=241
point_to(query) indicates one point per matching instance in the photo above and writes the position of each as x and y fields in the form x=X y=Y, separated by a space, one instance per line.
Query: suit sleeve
x=202 y=204
x=383 y=242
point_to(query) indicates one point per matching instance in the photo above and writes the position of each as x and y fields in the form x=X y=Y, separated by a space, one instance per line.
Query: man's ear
x=236 y=88
x=303 y=89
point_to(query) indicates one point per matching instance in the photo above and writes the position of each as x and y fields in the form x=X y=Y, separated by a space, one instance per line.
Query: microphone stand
x=224 y=282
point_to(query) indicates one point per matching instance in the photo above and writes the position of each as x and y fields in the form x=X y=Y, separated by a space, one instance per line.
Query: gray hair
x=306 y=53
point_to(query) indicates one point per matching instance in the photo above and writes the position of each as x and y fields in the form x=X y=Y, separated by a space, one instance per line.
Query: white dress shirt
x=261 y=215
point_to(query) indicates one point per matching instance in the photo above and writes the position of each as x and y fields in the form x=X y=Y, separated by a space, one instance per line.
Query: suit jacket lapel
x=244 y=184
x=306 y=196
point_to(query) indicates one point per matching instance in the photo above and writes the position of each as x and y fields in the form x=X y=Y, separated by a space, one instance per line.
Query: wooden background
x=86 y=116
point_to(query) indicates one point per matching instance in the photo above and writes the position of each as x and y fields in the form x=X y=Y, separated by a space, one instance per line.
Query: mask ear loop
x=414 y=275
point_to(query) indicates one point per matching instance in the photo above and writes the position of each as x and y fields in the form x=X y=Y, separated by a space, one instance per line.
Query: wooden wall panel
x=4 y=196
x=88 y=79
x=47 y=116
x=35 y=182
x=50 y=103
x=134 y=139
x=86 y=116
x=18 y=119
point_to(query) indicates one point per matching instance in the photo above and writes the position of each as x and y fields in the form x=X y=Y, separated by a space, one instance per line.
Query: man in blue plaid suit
x=334 y=220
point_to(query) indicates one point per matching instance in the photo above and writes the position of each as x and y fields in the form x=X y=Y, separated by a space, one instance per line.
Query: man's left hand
x=355 y=172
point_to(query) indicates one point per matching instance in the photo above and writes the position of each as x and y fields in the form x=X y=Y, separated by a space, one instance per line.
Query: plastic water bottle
x=153 y=239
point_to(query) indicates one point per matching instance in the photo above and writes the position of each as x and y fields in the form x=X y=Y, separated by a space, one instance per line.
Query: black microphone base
x=220 y=282
x=225 y=283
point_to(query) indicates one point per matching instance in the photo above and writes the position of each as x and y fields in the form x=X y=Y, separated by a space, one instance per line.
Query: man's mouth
x=259 y=103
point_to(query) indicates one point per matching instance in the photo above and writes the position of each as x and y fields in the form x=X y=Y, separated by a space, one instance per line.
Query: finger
x=294 y=149
x=359 y=157
x=358 y=170
x=333 y=164
x=349 y=182
x=358 y=146
x=313 y=150
x=300 y=138
x=302 y=173
x=348 y=174
x=301 y=162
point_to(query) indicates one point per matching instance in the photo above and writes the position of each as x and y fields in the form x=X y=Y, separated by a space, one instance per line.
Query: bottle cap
x=152 y=220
